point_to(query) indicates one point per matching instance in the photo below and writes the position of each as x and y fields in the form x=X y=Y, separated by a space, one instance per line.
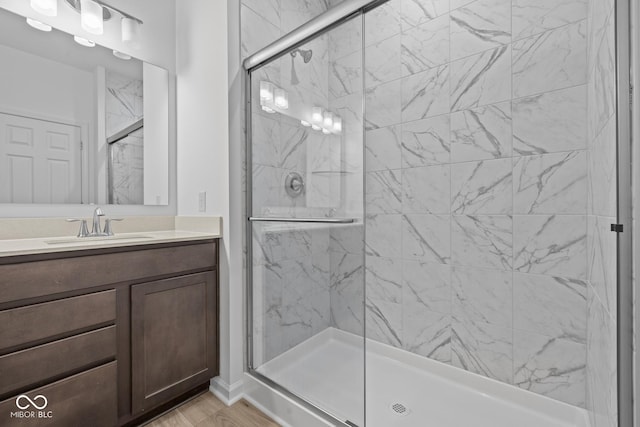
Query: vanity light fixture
x=281 y=98
x=131 y=29
x=84 y=42
x=266 y=91
x=316 y=116
x=327 y=120
x=337 y=124
x=38 y=25
x=91 y=16
x=45 y=7
x=121 y=55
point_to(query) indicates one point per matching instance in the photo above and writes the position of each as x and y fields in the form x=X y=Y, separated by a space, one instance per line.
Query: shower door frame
x=625 y=371
x=627 y=378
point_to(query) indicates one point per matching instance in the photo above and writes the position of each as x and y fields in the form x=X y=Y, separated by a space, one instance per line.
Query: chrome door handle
x=309 y=220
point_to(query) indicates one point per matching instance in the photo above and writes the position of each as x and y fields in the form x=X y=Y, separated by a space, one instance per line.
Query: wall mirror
x=79 y=123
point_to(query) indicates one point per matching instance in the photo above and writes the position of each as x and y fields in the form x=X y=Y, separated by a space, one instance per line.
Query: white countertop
x=52 y=235
x=65 y=244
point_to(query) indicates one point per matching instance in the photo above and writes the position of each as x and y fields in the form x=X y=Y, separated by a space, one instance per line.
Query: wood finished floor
x=207 y=411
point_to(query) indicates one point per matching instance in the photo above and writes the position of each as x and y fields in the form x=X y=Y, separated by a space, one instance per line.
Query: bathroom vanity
x=107 y=335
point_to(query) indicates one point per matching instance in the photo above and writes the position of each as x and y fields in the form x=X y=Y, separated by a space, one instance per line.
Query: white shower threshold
x=328 y=368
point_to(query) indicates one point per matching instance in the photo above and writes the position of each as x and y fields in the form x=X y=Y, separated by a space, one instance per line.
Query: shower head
x=306 y=54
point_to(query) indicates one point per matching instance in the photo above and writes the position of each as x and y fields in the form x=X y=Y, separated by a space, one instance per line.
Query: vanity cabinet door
x=173 y=337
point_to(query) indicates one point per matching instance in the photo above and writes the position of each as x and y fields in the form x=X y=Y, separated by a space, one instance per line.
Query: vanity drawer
x=85 y=399
x=35 y=323
x=36 y=365
x=48 y=277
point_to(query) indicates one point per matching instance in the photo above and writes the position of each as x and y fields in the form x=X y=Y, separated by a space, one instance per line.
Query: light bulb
x=337 y=124
x=266 y=91
x=84 y=42
x=91 y=17
x=281 y=99
x=131 y=30
x=316 y=115
x=45 y=7
x=38 y=25
x=328 y=120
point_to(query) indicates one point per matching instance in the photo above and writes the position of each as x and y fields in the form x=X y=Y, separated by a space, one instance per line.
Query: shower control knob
x=294 y=184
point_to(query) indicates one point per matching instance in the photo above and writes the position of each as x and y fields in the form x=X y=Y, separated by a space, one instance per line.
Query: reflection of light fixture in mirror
x=38 y=25
x=91 y=16
x=315 y=127
x=84 y=42
x=268 y=109
x=326 y=131
x=45 y=7
x=327 y=120
x=131 y=31
x=316 y=115
x=281 y=98
x=305 y=123
x=121 y=55
x=337 y=124
x=266 y=91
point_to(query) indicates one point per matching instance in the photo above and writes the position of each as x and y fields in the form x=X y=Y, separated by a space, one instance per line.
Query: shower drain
x=400 y=409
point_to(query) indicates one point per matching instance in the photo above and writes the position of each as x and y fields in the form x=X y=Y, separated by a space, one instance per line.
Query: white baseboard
x=227 y=393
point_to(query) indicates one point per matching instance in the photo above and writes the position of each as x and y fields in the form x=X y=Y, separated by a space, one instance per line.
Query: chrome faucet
x=96 y=230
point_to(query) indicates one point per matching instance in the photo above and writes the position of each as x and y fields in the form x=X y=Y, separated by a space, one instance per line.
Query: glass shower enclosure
x=436 y=199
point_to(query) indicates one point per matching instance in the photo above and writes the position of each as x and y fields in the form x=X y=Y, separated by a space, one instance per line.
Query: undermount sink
x=94 y=239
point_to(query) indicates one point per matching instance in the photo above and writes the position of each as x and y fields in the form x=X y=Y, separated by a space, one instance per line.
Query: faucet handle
x=108 y=230
x=84 y=230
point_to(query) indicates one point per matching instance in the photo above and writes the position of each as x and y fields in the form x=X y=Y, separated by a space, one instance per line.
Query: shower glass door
x=306 y=174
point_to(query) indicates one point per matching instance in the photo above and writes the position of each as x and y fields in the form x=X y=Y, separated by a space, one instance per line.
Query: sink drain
x=400 y=409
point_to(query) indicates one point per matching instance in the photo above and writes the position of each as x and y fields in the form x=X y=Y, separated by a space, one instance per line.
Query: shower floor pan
x=406 y=390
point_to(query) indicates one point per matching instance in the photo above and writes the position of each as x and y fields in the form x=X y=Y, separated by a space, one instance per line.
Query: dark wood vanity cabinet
x=171 y=326
x=107 y=336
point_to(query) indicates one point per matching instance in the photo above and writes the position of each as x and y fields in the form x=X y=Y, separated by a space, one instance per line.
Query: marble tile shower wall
x=479 y=182
x=124 y=106
x=601 y=243
x=291 y=287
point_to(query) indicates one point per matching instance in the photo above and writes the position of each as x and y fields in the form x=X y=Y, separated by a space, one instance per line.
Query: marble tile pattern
x=601 y=370
x=293 y=285
x=489 y=177
x=479 y=26
x=480 y=180
x=124 y=105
